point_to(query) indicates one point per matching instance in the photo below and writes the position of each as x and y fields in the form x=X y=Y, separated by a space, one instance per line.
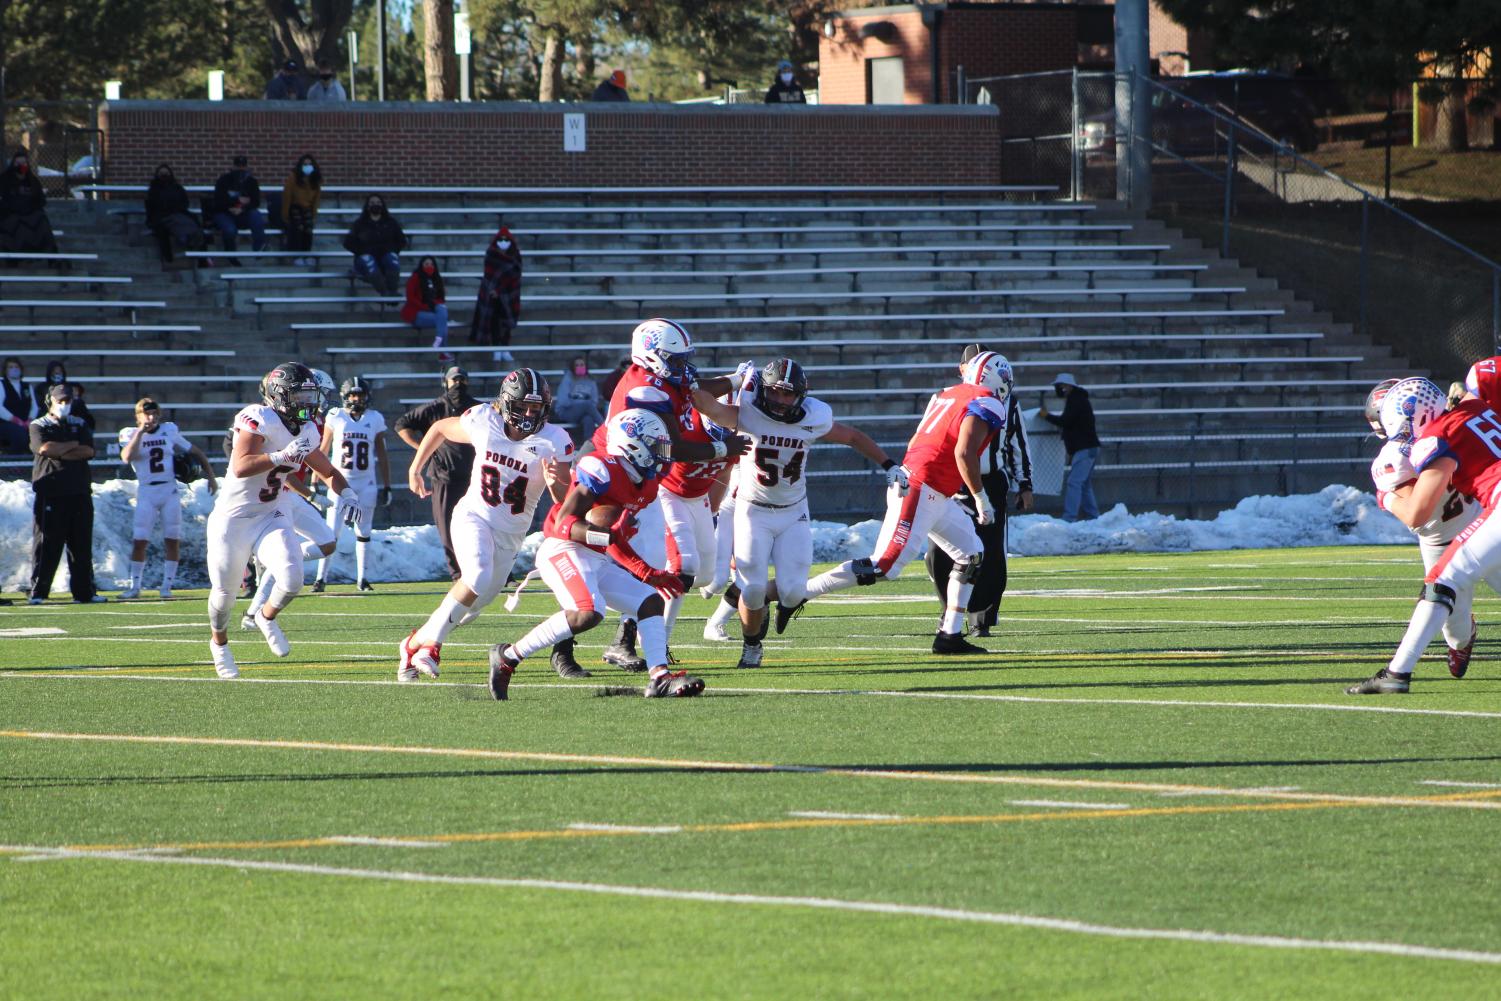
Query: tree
x=309 y=30
x=438 y=62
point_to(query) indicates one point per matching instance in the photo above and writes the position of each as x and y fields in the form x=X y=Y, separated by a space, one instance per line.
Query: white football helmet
x=1409 y=407
x=328 y=389
x=640 y=438
x=664 y=349
x=990 y=370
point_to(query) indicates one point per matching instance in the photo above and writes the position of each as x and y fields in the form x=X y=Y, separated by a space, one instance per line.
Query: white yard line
x=32 y=632
x=830 y=815
x=1461 y=785
x=1038 y=922
x=1069 y=805
x=627 y=828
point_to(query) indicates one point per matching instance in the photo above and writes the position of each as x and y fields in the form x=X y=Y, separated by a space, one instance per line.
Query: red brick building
x=911 y=53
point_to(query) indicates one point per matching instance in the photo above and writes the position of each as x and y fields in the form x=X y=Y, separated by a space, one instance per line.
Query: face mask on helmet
x=780 y=391
x=1373 y=406
x=640 y=440
x=356 y=401
x=664 y=349
x=1409 y=408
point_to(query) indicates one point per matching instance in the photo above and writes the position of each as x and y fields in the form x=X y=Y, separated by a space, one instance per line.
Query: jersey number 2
x=490 y=492
x=156 y=461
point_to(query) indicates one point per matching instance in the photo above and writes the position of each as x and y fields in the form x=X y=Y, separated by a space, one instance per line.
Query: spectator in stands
x=301 y=193
x=237 y=206
x=425 y=307
x=17 y=407
x=497 y=306
x=786 y=89
x=612 y=88
x=1005 y=464
x=376 y=240
x=24 y=227
x=63 y=512
x=607 y=388
x=449 y=467
x=57 y=375
x=286 y=85
x=1082 y=445
x=577 y=400
x=327 y=88
x=169 y=215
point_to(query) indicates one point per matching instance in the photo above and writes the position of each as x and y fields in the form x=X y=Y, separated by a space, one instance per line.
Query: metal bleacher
x=1198 y=367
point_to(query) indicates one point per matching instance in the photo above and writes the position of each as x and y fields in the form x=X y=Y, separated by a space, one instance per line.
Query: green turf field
x=1154 y=788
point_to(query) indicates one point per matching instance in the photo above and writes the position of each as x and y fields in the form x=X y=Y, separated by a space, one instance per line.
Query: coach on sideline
x=450 y=464
x=63 y=512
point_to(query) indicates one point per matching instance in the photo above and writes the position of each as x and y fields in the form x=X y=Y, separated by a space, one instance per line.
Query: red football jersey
x=694 y=479
x=930 y=453
x=639 y=388
x=1470 y=434
x=1484 y=381
x=604 y=477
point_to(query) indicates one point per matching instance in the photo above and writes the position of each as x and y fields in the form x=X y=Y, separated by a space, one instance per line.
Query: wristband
x=888 y=464
x=720 y=450
x=594 y=537
x=565 y=525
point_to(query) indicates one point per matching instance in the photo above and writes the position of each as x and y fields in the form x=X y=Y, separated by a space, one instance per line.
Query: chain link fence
x=62 y=138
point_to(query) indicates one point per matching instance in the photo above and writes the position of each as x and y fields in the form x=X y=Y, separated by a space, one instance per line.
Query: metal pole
x=1230 y=148
x=963 y=85
x=1075 y=180
x=380 y=51
x=464 y=77
x=1133 y=104
x=354 y=59
x=1365 y=262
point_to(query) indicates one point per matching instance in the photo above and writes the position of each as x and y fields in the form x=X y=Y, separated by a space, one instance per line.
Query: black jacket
x=165 y=198
x=607 y=91
x=451 y=462
x=58 y=477
x=1077 y=422
x=234 y=184
x=786 y=93
x=375 y=236
x=20 y=195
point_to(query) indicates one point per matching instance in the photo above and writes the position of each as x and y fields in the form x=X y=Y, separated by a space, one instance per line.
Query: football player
x=772 y=526
x=686 y=499
x=724 y=549
x=587 y=559
x=942 y=456
x=150 y=448
x=661 y=378
x=271 y=440
x=351 y=435
x=516 y=454
x=1458 y=449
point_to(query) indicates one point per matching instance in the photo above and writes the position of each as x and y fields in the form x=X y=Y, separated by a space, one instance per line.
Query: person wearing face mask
x=169 y=216
x=287 y=84
x=57 y=375
x=326 y=87
x=450 y=464
x=577 y=400
x=786 y=89
x=376 y=240
x=301 y=194
x=17 y=408
x=1082 y=444
x=63 y=512
x=425 y=307
x=24 y=227
x=237 y=205
x=497 y=307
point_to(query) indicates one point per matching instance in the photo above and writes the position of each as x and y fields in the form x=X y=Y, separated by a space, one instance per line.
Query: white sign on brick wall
x=573 y=133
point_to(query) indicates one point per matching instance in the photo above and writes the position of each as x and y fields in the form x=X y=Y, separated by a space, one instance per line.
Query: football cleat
x=247 y=621
x=1459 y=657
x=786 y=615
x=501 y=669
x=133 y=591
x=275 y=638
x=715 y=631
x=564 y=663
x=622 y=652
x=1382 y=682
x=319 y=585
x=674 y=684
x=165 y=593
x=364 y=585
x=750 y=656
x=404 y=669
x=955 y=643
x=224 y=661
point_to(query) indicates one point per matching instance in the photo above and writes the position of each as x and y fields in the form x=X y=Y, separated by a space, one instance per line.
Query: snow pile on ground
x=1336 y=515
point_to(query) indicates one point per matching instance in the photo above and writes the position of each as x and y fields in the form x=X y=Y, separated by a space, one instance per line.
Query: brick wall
x=998 y=42
x=841 y=59
x=522 y=144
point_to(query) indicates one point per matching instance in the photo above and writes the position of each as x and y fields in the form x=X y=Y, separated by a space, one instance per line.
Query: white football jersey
x=773 y=470
x=153 y=463
x=1391 y=468
x=352 y=445
x=507 y=480
x=257 y=495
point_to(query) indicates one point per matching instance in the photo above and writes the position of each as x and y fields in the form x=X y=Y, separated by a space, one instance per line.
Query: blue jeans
x=1078 y=492
x=437 y=319
x=383 y=272
x=229 y=225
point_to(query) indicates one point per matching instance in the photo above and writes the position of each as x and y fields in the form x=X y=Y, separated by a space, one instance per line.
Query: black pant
x=446 y=496
x=58 y=522
x=991 y=585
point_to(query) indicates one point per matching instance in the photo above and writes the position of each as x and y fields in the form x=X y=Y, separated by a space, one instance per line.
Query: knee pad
x=865 y=571
x=221 y=606
x=1441 y=594
x=968 y=573
x=753 y=595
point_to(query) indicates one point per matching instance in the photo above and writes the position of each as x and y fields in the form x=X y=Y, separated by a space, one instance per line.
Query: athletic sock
x=837 y=579
x=653 y=635
x=360 y=546
x=671 y=615
x=438 y=625
x=953 y=622
x=1427 y=619
x=552 y=630
x=323 y=569
x=723 y=613
x=169 y=574
x=262 y=592
x=137 y=573
x=959 y=592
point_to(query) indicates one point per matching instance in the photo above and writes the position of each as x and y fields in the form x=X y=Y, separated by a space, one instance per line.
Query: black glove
x=383 y=498
x=352 y=515
x=737 y=444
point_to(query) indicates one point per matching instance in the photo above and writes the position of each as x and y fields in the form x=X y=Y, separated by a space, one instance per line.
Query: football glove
x=985 y=511
x=293 y=454
x=668 y=585
x=896 y=479
x=352 y=506
x=742 y=372
x=737 y=444
x=384 y=497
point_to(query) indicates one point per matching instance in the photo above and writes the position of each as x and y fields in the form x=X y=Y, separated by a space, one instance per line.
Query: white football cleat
x=405 y=672
x=275 y=638
x=224 y=661
x=164 y=593
x=715 y=631
x=706 y=593
x=425 y=659
x=133 y=591
x=247 y=621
